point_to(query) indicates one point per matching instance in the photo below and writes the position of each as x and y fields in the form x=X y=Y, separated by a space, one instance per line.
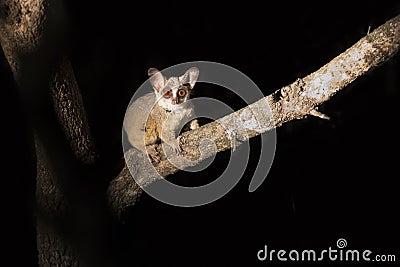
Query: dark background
x=329 y=180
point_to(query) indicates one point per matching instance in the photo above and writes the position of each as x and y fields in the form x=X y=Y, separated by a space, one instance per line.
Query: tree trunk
x=53 y=248
x=32 y=40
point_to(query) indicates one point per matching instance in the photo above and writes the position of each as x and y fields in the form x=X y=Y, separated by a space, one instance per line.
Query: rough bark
x=28 y=31
x=68 y=105
x=53 y=249
x=292 y=102
x=51 y=96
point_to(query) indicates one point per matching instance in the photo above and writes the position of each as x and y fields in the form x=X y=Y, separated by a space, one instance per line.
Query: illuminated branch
x=295 y=101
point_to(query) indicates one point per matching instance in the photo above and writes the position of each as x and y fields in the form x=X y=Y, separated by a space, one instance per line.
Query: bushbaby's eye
x=168 y=94
x=181 y=92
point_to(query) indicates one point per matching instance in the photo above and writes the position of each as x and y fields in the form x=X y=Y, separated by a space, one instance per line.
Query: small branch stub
x=318 y=114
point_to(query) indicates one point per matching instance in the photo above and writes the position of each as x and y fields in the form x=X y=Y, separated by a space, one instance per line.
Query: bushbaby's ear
x=190 y=76
x=157 y=79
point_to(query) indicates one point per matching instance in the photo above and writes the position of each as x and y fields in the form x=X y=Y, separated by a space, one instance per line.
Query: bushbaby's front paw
x=194 y=124
x=173 y=148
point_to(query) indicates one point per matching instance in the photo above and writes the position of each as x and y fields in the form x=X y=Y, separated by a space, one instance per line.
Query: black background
x=329 y=180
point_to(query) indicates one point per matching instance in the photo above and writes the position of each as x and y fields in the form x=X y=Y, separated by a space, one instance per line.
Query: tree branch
x=67 y=100
x=295 y=101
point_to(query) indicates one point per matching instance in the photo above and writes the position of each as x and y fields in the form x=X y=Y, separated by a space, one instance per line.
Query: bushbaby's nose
x=174 y=101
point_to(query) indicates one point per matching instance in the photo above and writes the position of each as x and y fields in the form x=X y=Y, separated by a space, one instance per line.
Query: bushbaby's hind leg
x=153 y=154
